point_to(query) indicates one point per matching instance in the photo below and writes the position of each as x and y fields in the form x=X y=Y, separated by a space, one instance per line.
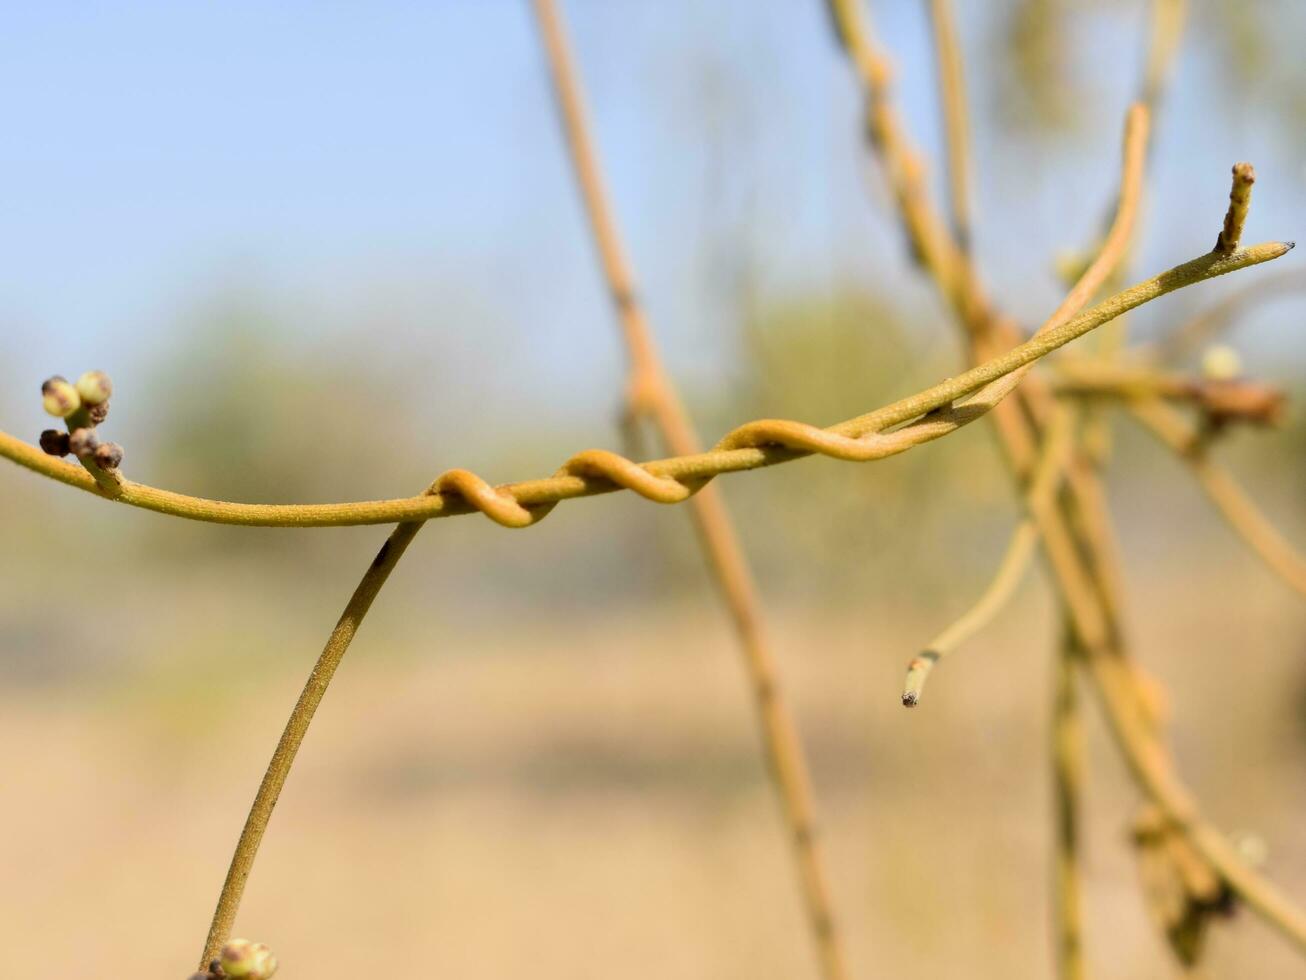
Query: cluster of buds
x=242 y=959
x=82 y=406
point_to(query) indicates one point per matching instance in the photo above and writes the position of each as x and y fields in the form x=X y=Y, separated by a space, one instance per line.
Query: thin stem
x=1206 y=326
x=1067 y=783
x=752 y=446
x=1240 y=201
x=1012 y=568
x=265 y=800
x=651 y=387
x=1238 y=509
x=110 y=482
x=952 y=86
x=1166 y=30
x=1227 y=401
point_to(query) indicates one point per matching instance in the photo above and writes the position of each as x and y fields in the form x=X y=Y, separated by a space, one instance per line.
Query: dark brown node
x=108 y=455
x=54 y=442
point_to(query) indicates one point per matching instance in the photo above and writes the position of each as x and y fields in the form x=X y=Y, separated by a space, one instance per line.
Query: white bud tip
x=94 y=387
x=1221 y=363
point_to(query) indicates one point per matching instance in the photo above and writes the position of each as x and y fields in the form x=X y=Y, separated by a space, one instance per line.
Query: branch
x=283 y=757
x=1011 y=569
x=1220 y=400
x=766 y=442
x=1068 y=786
x=1242 y=515
x=952 y=86
x=650 y=389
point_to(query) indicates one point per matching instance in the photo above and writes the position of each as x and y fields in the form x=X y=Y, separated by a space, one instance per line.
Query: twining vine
x=1048 y=432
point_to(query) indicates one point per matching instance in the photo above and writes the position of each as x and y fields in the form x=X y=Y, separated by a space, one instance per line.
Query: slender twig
x=109 y=482
x=1240 y=200
x=1067 y=783
x=1241 y=513
x=952 y=87
x=1206 y=326
x=765 y=442
x=1011 y=569
x=1232 y=400
x=283 y=757
x=1165 y=31
x=650 y=388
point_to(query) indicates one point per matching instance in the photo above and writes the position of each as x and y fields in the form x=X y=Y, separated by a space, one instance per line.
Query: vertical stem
x=650 y=384
x=283 y=757
x=952 y=86
x=1068 y=776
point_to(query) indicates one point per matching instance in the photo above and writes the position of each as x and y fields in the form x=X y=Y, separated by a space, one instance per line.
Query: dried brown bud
x=59 y=397
x=55 y=442
x=108 y=455
x=82 y=442
x=94 y=387
x=242 y=958
x=98 y=413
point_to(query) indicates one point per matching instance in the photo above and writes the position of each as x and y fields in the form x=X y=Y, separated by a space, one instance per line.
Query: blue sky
x=346 y=158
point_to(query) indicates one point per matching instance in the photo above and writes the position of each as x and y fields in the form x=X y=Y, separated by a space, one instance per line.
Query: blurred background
x=327 y=251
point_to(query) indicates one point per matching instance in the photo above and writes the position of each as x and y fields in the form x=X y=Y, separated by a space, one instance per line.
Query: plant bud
x=98 y=413
x=82 y=442
x=55 y=442
x=60 y=398
x=94 y=387
x=242 y=958
x=108 y=455
x=1221 y=363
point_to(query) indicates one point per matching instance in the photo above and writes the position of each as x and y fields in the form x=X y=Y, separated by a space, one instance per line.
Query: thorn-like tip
x=1290 y=245
x=909 y=699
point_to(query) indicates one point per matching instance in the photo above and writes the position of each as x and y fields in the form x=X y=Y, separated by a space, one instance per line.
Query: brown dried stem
x=1241 y=513
x=1068 y=785
x=651 y=389
x=952 y=85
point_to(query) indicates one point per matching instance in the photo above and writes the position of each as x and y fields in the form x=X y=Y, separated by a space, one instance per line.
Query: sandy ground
x=551 y=800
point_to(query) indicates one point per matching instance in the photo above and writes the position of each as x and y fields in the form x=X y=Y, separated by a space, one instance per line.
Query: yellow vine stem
x=283 y=757
x=1067 y=786
x=651 y=390
x=1015 y=561
x=765 y=442
x=1242 y=515
x=952 y=85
